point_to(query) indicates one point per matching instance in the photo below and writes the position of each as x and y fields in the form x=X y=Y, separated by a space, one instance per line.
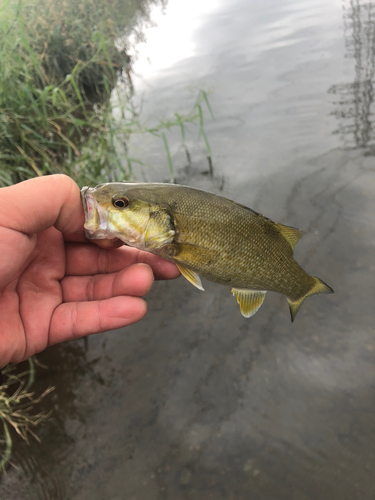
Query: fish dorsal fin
x=191 y=276
x=291 y=234
x=249 y=301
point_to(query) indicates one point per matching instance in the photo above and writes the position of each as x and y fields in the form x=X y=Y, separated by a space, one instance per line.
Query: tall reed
x=60 y=62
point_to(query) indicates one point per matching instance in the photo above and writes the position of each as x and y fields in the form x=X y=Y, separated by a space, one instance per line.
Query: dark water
x=196 y=402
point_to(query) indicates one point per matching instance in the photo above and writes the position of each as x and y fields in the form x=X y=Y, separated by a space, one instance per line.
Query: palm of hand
x=54 y=285
x=46 y=299
x=32 y=290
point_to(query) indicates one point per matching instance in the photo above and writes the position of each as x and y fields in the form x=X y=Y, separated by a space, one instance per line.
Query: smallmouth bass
x=205 y=235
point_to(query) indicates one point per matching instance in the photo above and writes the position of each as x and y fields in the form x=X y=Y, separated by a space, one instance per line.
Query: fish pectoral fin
x=249 y=300
x=191 y=276
x=159 y=240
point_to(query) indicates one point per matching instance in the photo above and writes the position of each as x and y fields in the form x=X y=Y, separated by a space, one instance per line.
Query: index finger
x=87 y=259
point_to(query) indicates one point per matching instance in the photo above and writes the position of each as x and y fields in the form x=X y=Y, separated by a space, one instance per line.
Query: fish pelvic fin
x=291 y=234
x=249 y=300
x=191 y=276
x=318 y=287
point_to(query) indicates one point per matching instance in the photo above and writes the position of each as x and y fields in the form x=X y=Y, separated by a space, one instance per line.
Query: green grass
x=60 y=63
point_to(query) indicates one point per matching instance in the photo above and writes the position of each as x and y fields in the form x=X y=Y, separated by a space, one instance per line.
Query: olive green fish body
x=209 y=236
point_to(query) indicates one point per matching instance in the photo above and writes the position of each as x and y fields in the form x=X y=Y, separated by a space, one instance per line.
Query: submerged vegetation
x=17 y=403
x=64 y=66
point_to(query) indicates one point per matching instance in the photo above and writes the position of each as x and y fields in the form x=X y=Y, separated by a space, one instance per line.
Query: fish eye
x=121 y=202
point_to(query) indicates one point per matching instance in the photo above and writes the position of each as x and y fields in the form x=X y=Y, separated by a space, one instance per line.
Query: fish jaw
x=96 y=217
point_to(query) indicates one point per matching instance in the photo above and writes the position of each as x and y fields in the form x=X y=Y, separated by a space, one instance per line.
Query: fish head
x=113 y=210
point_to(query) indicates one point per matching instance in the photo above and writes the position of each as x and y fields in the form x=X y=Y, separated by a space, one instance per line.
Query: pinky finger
x=77 y=319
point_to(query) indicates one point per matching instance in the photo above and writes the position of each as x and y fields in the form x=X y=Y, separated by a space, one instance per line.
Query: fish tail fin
x=317 y=287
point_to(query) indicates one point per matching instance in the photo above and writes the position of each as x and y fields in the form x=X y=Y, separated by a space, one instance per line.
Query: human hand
x=54 y=284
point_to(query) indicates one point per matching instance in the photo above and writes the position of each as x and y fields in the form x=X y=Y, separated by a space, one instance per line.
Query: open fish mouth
x=87 y=202
x=83 y=198
x=96 y=217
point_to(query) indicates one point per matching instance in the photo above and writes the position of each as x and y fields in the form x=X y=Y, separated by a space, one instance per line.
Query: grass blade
x=170 y=164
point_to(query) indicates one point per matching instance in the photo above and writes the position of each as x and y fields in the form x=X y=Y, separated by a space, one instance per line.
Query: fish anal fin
x=291 y=234
x=249 y=300
x=191 y=276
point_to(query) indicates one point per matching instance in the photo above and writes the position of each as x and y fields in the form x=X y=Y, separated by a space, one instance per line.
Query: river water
x=196 y=402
